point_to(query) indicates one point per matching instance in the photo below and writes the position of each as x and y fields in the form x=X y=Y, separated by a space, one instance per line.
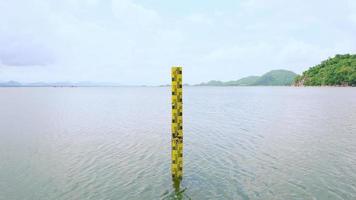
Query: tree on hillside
x=339 y=70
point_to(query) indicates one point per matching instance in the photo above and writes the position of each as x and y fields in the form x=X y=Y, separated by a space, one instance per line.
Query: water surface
x=240 y=143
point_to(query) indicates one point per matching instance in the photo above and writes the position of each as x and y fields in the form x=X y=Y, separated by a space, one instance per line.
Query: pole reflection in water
x=177 y=193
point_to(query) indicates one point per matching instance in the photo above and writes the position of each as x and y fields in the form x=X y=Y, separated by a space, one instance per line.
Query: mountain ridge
x=279 y=77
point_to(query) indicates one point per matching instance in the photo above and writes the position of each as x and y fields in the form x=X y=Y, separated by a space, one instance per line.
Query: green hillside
x=250 y=80
x=272 y=78
x=337 y=71
x=277 y=77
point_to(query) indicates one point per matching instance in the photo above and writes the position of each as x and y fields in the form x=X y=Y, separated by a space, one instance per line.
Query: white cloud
x=130 y=13
x=124 y=41
x=24 y=34
x=199 y=19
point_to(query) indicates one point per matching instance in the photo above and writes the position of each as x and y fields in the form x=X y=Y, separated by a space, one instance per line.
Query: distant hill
x=337 y=71
x=10 y=84
x=277 y=77
x=273 y=78
x=250 y=80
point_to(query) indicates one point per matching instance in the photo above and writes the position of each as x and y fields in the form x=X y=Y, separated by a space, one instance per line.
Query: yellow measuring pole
x=177 y=124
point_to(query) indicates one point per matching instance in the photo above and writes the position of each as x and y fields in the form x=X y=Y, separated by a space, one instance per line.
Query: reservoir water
x=239 y=143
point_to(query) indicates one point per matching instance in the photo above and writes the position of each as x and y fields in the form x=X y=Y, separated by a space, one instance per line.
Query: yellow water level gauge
x=177 y=124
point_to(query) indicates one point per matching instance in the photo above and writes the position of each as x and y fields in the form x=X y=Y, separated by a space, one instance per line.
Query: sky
x=137 y=41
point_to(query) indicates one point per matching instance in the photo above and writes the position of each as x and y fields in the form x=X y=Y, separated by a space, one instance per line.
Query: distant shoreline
x=198 y=86
x=48 y=86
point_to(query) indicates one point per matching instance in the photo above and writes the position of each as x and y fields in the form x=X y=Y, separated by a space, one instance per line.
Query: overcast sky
x=137 y=41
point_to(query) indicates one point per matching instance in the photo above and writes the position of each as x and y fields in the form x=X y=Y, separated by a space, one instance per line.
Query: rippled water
x=240 y=143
